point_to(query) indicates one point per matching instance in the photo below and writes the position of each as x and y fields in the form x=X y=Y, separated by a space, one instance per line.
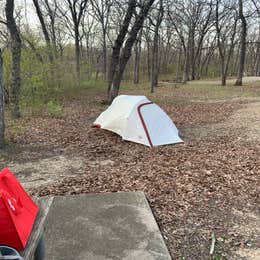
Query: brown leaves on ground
x=193 y=188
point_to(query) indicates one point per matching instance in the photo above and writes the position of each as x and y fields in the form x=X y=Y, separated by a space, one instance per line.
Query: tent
x=139 y=120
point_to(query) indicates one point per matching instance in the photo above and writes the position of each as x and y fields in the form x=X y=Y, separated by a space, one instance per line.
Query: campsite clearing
x=208 y=184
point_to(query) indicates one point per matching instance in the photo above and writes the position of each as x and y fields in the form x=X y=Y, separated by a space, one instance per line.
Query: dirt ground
x=208 y=186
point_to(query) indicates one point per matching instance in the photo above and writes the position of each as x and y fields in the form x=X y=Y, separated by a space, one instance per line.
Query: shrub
x=54 y=109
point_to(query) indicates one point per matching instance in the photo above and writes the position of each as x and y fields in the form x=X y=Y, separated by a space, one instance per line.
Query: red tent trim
x=143 y=122
x=96 y=126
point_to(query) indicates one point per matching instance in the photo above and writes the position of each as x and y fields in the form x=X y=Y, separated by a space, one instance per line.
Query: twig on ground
x=213 y=242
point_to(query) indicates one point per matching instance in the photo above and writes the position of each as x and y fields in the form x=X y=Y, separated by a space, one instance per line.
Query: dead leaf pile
x=192 y=187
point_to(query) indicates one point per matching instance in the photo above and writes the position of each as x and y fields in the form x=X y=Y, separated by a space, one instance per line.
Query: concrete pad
x=106 y=226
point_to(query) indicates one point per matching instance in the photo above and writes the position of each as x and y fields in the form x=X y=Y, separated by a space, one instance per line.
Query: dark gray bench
x=35 y=246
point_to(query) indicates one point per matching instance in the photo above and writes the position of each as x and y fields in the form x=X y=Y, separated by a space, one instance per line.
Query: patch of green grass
x=94 y=84
x=54 y=109
x=219 y=257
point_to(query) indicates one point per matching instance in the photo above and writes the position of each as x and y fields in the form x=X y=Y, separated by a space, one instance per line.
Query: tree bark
x=187 y=61
x=77 y=10
x=52 y=12
x=242 y=45
x=155 y=54
x=220 y=47
x=126 y=52
x=257 y=63
x=2 y=121
x=148 y=57
x=137 y=59
x=257 y=55
x=77 y=52
x=16 y=57
x=104 y=54
x=179 y=64
x=208 y=60
x=35 y=51
x=101 y=12
x=192 y=53
x=186 y=65
x=231 y=48
x=119 y=42
x=44 y=29
x=224 y=53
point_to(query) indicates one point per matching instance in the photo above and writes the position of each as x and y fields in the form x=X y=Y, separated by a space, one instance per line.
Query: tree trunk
x=2 y=121
x=44 y=29
x=179 y=64
x=257 y=62
x=35 y=51
x=186 y=66
x=77 y=53
x=231 y=49
x=222 y=62
x=52 y=12
x=221 y=48
x=154 y=68
x=199 y=65
x=187 y=60
x=104 y=55
x=242 y=45
x=148 y=60
x=192 y=53
x=119 y=42
x=16 y=57
x=126 y=52
x=207 y=66
x=137 y=59
x=223 y=77
x=155 y=54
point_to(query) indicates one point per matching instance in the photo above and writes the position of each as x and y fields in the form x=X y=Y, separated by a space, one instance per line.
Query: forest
x=63 y=62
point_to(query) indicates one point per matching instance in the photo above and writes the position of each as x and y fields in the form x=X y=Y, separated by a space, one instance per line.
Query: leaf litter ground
x=209 y=184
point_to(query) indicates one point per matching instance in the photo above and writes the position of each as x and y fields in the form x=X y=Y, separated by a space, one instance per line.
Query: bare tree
x=29 y=40
x=101 y=10
x=2 y=121
x=148 y=46
x=155 y=56
x=137 y=57
x=52 y=13
x=119 y=66
x=225 y=37
x=207 y=53
x=44 y=29
x=257 y=59
x=257 y=6
x=76 y=9
x=204 y=24
x=242 y=44
x=192 y=21
x=89 y=31
x=181 y=23
x=119 y=42
x=16 y=57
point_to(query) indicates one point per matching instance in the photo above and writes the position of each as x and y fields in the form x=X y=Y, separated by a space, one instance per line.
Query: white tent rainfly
x=139 y=120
